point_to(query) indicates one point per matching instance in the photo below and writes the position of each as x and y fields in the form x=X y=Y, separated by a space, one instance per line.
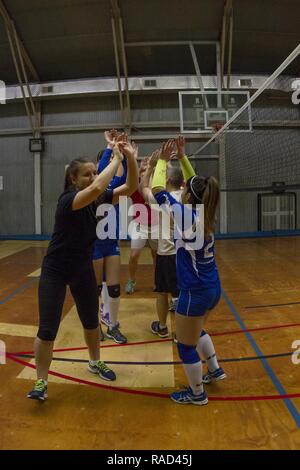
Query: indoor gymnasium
x=131 y=109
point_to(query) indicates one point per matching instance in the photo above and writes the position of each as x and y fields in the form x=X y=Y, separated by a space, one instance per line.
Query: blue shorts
x=103 y=249
x=195 y=303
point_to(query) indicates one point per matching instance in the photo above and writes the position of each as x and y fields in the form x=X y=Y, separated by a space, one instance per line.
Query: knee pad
x=114 y=291
x=188 y=354
x=203 y=333
x=99 y=290
x=46 y=335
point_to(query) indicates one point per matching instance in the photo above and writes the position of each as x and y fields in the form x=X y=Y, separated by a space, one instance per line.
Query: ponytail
x=210 y=199
x=205 y=191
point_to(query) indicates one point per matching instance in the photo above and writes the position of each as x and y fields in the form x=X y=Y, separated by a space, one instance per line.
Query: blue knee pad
x=188 y=354
x=203 y=333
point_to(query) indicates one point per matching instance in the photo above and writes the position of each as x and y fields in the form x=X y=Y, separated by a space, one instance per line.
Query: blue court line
x=290 y=406
x=17 y=291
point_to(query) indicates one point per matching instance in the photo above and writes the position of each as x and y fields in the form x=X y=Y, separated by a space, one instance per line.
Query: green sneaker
x=39 y=391
x=129 y=289
x=102 y=370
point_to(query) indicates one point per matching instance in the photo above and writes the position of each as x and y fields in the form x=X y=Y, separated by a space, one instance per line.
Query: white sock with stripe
x=206 y=350
x=114 y=303
x=194 y=375
x=105 y=298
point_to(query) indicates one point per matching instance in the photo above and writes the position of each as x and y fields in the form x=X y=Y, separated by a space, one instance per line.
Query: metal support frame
x=230 y=50
x=227 y=13
x=118 y=69
x=120 y=56
x=169 y=43
x=10 y=40
x=191 y=45
x=38 y=176
x=219 y=74
x=125 y=68
x=20 y=55
x=198 y=73
x=8 y=21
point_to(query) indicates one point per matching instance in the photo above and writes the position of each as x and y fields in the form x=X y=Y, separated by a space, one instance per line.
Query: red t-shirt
x=152 y=215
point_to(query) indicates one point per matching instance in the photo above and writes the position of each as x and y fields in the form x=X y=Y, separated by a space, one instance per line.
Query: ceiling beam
x=10 y=24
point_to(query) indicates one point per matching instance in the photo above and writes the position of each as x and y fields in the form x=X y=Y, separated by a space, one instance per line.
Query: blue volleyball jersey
x=195 y=268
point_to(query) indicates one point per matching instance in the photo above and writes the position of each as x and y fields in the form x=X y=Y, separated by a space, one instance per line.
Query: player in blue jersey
x=197 y=274
x=106 y=254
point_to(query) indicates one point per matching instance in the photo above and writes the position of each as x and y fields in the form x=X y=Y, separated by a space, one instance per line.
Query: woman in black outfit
x=69 y=259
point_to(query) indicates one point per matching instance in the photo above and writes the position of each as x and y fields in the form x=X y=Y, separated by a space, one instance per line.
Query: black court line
x=272 y=305
x=152 y=363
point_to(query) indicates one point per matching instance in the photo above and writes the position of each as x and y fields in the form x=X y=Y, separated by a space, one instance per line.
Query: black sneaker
x=102 y=370
x=39 y=391
x=115 y=334
x=157 y=330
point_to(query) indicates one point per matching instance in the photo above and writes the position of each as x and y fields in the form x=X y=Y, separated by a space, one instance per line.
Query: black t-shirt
x=75 y=231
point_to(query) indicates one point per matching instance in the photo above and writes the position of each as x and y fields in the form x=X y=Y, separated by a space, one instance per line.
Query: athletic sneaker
x=39 y=391
x=115 y=334
x=218 y=374
x=102 y=370
x=157 y=330
x=129 y=289
x=186 y=397
x=106 y=321
x=101 y=335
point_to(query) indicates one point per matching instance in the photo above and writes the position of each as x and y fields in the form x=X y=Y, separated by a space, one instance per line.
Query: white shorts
x=141 y=234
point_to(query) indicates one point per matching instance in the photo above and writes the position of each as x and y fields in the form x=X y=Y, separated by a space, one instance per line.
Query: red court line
x=105 y=346
x=138 y=343
x=153 y=394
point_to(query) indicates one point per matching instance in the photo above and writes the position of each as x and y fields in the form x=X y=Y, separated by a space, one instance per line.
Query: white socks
x=114 y=304
x=105 y=298
x=206 y=350
x=194 y=375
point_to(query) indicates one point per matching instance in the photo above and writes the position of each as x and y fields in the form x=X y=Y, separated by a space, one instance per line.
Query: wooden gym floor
x=257 y=407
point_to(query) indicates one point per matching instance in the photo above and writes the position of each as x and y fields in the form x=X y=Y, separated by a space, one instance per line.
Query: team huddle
x=178 y=221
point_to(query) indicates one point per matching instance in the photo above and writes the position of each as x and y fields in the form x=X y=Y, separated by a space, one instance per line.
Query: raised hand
x=110 y=137
x=127 y=148
x=153 y=159
x=136 y=150
x=118 y=152
x=180 y=145
x=122 y=138
x=167 y=150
